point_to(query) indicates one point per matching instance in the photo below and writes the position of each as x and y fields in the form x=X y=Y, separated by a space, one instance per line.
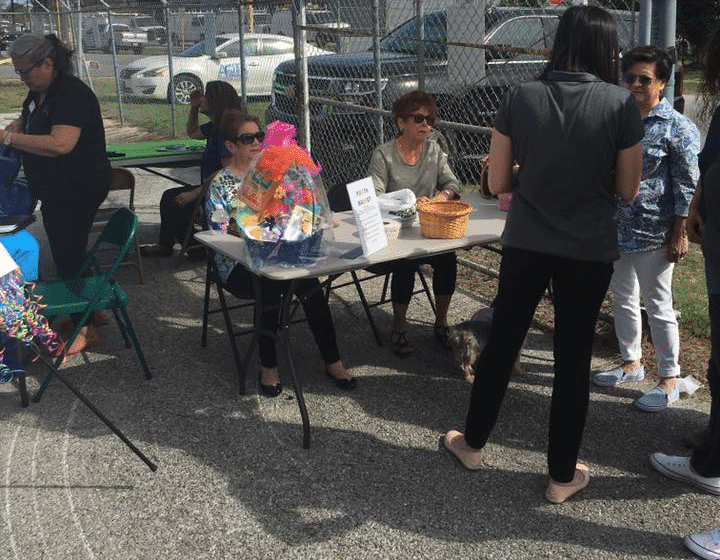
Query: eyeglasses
x=629 y=79
x=23 y=73
x=248 y=138
x=418 y=118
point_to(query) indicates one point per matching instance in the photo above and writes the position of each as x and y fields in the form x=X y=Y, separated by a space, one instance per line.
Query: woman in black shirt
x=61 y=135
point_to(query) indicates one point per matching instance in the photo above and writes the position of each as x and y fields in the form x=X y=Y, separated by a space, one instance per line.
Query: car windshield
x=199 y=49
x=403 y=39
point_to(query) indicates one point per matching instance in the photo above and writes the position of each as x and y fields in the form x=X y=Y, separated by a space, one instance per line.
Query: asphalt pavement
x=233 y=480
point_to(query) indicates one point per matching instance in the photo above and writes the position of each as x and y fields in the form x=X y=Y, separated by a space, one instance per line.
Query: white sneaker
x=705 y=545
x=679 y=468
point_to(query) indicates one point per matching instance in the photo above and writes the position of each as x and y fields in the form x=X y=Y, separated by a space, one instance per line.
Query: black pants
x=578 y=288
x=317 y=311
x=67 y=223
x=706 y=459
x=174 y=219
x=403 y=271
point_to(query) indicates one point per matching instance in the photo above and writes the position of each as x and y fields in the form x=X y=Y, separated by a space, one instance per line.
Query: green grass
x=690 y=293
x=692 y=81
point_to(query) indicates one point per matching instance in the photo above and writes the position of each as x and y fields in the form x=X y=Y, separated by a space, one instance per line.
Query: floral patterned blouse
x=223 y=192
x=670 y=173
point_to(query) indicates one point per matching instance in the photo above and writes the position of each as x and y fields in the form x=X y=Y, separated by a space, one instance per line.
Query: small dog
x=468 y=339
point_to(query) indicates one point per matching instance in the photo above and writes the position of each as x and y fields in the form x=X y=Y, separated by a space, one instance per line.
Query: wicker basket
x=445 y=219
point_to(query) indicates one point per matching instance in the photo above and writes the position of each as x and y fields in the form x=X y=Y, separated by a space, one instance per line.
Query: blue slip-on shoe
x=705 y=545
x=618 y=376
x=680 y=469
x=657 y=400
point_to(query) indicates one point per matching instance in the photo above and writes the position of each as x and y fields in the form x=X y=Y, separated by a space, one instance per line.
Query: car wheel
x=183 y=86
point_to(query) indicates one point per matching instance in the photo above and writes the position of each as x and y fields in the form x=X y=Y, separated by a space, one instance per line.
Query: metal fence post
x=121 y=109
x=168 y=44
x=378 y=70
x=241 y=39
x=300 y=35
x=664 y=16
x=420 y=45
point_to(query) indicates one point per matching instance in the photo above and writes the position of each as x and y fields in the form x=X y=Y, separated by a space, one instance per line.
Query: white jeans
x=649 y=273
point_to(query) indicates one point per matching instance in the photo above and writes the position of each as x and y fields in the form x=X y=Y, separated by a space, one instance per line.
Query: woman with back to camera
x=651 y=231
x=415 y=161
x=61 y=135
x=243 y=137
x=177 y=204
x=576 y=136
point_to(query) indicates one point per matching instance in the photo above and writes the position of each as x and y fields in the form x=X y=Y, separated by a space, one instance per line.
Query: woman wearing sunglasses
x=651 y=231
x=61 y=136
x=415 y=161
x=178 y=205
x=243 y=137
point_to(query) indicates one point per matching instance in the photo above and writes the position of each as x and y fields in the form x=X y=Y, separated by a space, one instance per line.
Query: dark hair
x=233 y=119
x=586 y=40
x=407 y=104
x=709 y=90
x=36 y=48
x=649 y=55
x=221 y=96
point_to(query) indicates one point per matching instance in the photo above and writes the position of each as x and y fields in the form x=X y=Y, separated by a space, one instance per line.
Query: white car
x=149 y=78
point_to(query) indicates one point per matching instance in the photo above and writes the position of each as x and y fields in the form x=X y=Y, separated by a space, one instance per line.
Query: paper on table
x=7 y=264
x=367 y=215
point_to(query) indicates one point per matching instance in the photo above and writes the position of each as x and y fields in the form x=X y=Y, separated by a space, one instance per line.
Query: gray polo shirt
x=426 y=178
x=566 y=133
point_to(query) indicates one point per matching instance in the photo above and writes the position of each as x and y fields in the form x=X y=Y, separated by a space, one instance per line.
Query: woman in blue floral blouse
x=651 y=231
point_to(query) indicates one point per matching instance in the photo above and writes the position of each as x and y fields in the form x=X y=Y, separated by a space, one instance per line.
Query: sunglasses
x=248 y=138
x=23 y=73
x=629 y=79
x=417 y=118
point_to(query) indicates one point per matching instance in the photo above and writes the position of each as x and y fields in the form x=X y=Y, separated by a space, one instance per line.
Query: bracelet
x=8 y=138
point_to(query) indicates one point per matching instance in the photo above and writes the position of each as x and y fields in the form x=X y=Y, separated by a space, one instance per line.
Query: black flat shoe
x=269 y=390
x=346 y=384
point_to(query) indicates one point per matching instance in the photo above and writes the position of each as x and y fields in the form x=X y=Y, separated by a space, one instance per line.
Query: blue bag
x=15 y=197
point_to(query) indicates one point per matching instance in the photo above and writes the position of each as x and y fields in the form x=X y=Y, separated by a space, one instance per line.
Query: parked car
x=98 y=37
x=281 y=24
x=149 y=78
x=343 y=138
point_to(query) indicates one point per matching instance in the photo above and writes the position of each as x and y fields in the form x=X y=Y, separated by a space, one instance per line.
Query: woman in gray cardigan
x=414 y=161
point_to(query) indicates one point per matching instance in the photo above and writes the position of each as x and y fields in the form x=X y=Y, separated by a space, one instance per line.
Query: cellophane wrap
x=20 y=316
x=284 y=215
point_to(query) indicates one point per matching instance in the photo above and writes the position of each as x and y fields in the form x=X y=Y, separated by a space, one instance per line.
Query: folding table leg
x=285 y=334
x=368 y=314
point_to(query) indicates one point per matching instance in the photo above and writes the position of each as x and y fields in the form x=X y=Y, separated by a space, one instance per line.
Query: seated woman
x=243 y=137
x=177 y=205
x=414 y=161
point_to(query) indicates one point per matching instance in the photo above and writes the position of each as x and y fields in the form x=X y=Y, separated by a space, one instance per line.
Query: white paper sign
x=367 y=215
x=7 y=264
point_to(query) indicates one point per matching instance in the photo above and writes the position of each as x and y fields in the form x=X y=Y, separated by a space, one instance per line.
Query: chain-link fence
x=333 y=69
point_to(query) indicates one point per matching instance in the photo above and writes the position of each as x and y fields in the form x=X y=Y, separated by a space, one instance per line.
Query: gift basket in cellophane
x=284 y=215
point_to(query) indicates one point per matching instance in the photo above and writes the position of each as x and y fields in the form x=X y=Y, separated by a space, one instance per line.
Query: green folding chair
x=87 y=294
